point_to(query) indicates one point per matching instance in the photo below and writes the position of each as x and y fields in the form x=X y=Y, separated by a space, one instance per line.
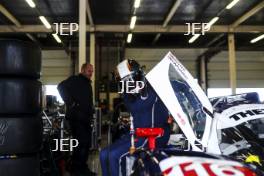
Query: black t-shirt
x=76 y=91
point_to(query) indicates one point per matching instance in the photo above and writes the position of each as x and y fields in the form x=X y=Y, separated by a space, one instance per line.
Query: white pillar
x=82 y=32
x=203 y=74
x=232 y=62
x=92 y=59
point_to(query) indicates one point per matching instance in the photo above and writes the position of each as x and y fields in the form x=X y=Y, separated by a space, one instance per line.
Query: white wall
x=250 y=70
x=150 y=57
x=250 y=65
x=56 y=66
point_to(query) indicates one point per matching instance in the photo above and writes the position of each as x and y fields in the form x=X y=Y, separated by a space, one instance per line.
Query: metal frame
x=89 y=13
x=82 y=32
x=13 y=19
x=138 y=29
x=248 y=14
x=171 y=13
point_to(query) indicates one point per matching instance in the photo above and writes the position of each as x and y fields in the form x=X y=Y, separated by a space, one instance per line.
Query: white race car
x=233 y=130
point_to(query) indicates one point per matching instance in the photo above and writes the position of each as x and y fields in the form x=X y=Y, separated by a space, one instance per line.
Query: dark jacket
x=76 y=92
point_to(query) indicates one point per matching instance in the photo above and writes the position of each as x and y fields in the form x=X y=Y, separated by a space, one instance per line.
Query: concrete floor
x=93 y=163
x=93 y=160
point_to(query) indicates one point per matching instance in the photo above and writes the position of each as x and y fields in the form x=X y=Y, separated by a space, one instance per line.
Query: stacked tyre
x=20 y=108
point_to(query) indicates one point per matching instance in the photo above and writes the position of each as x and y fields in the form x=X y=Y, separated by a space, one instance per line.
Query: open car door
x=184 y=98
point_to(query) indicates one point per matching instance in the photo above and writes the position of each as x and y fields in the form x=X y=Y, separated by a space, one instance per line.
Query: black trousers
x=81 y=130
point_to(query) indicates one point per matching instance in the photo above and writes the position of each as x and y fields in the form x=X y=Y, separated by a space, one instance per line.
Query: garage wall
x=109 y=59
x=56 y=66
x=250 y=65
x=150 y=57
x=250 y=70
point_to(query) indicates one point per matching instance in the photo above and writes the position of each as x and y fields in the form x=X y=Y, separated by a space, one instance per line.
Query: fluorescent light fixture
x=133 y=22
x=129 y=38
x=45 y=22
x=194 y=37
x=137 y=4
x=257 y=39
x=57 y=38
x=215 y=19
x=231 y=4
x=31 y=3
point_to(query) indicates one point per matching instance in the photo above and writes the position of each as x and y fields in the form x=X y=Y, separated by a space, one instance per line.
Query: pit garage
x=138 y=87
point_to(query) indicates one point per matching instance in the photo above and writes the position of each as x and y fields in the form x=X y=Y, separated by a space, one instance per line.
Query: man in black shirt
x=76 y=91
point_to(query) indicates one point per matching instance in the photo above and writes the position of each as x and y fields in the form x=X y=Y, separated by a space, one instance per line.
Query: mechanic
x=148 y=111
x=76 y=91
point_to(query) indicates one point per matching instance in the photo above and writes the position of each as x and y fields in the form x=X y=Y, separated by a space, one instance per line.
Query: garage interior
x=227 y=59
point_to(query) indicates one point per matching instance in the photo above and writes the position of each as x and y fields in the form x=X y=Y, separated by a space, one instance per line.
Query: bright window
x=52 y=90
x=216 y=92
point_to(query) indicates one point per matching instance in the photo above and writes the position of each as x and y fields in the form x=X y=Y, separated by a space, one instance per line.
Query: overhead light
x=208 y=25
x=57 y=38
x=257 y=39
x=194 y=37
x=31 y=3
x=45 y=22
x=231 y=4
x=133 y=22
x=129 y=38
x=137 y=4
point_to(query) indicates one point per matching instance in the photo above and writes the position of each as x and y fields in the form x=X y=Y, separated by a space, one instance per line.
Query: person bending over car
x=147 y=111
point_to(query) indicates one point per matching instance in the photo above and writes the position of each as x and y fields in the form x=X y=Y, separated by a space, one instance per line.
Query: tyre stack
x=20 y=108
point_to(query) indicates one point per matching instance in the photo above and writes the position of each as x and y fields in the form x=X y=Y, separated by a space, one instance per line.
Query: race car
x=171 y=161
x=221 y=103
x=212 y=144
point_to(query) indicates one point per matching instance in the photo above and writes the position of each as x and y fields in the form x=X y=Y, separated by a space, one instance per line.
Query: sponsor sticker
x=192 y=166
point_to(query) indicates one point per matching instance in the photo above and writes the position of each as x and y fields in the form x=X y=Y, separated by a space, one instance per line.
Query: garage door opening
x=52 y=90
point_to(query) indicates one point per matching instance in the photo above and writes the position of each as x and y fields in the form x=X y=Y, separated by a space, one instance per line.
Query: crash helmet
x=129 y=72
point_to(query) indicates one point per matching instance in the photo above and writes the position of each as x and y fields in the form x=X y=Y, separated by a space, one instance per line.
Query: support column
x=82 y=32
x=232 y=62
x=92 y=60
x=203 y=74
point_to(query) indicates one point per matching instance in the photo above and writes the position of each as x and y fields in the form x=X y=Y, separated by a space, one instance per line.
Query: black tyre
x=20 y=96
x=20 y=135
x=24 y=166
x=20 y=58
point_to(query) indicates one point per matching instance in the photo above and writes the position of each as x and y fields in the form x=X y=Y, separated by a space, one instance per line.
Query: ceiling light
x=231 y=4
x=57 y=38
x=45 y=22
x=133 y=22
x=208 y=25
x=31 y=3
x=137 y=4
x=129 y=38
x=194 y=37
x=257 y=38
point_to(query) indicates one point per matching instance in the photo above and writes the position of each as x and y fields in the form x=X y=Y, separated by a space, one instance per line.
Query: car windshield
x=190 y=104
x=244 y=141
x=222 y=103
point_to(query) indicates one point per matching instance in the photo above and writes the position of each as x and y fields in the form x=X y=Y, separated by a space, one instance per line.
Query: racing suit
x=147 y=111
